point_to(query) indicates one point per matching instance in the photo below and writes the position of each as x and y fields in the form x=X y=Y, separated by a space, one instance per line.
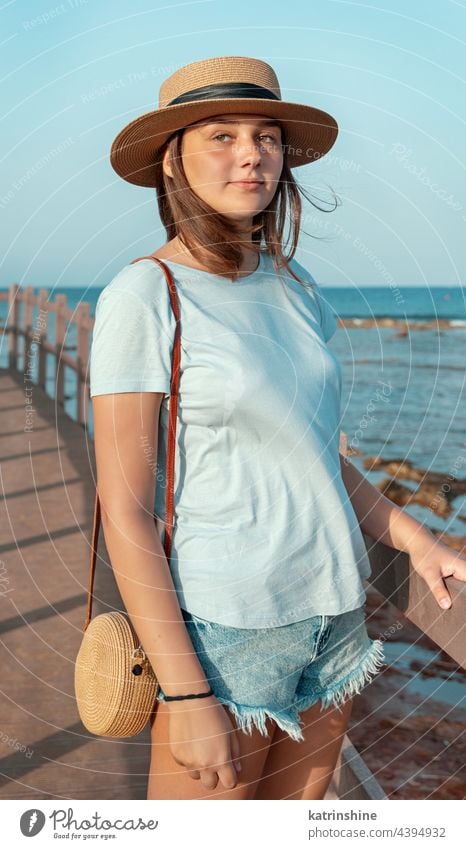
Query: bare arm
x=384 y=521
x=125 y=432
x=379 y=517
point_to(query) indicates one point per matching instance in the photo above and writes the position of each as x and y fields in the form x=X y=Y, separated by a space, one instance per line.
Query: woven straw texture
x=111 y=700
x=198 y=74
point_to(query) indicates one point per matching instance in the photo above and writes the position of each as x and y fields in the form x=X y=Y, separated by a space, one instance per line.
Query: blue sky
x=75 y=72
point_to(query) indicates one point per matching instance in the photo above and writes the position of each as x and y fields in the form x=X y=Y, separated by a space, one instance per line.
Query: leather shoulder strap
x=171 y=443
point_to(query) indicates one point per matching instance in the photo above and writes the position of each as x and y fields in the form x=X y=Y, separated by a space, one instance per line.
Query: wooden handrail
x=395 y=579
x=37 y=342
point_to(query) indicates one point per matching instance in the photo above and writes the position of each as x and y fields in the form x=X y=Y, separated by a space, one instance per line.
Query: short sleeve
x=133 y=334
x=329 y=318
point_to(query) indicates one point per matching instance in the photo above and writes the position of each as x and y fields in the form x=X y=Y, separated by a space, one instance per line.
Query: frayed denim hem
x=249 y=717
x=351 y=684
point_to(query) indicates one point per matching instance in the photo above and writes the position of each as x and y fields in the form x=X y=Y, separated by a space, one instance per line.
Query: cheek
x=277 y=167
x=218 y=164
x=214 y=163
x=218 y=168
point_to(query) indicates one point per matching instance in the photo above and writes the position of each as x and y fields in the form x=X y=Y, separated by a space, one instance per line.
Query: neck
x=249 y=260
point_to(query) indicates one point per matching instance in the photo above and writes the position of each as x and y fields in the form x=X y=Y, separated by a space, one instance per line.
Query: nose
x=249 y=151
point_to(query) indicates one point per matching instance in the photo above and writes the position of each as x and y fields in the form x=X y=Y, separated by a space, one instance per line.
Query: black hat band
x=234 y=90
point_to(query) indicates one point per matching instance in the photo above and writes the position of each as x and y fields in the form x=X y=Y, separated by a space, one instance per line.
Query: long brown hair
x=185 y=215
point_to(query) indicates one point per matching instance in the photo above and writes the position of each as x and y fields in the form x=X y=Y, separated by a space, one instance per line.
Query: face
x=220 y=152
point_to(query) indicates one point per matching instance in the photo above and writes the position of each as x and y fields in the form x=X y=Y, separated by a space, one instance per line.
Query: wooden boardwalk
x=47 y=477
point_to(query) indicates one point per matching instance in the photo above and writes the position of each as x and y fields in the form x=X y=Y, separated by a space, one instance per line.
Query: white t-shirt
x=265 y=533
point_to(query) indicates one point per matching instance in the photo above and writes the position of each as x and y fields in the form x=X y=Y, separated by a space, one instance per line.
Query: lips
x=247 y=184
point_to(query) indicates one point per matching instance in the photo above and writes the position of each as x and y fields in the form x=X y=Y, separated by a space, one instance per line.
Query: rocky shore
x=404 y=325
x=434 y=490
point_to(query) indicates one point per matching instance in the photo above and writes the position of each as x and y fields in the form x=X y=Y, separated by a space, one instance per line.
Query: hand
x=204 y=740
x=434 y=561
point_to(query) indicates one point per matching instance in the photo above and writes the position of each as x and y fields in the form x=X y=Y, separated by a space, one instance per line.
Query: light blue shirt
x=265 y=533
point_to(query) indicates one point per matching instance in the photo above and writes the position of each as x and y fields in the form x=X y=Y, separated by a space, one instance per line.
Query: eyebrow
x=262 y=123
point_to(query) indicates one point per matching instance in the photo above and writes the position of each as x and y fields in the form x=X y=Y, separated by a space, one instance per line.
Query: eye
x=263 y=136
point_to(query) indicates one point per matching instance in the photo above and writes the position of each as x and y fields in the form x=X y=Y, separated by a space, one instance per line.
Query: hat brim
x=135 y=153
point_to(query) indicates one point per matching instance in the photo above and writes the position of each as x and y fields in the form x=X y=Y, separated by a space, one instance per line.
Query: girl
x=259 y=618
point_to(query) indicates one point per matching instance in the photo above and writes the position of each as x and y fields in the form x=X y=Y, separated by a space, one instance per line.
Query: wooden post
x=41 y=334
x=28 y=300
x=83 y=324
x=12 y=324
x=60 y=301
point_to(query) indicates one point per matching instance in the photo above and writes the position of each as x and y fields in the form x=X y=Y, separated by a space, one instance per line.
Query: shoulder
x=305 y=280
x=328 y=318
x=133 y=332
x=143 y=280
x=137 y=299
x=303 y=273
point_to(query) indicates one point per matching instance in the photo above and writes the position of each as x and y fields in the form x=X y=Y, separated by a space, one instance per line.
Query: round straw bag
x=115 y=684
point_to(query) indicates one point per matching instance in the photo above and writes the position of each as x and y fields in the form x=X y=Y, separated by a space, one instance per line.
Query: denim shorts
x=276 y=673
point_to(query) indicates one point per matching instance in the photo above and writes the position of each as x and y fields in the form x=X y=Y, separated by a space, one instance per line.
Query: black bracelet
x=191 y=696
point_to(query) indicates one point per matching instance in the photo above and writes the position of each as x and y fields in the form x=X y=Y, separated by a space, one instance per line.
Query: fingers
x=236 y=751
x=194 y=773
x=209 y=779
x=458 y=569
x=228 y=776
x=438 y=589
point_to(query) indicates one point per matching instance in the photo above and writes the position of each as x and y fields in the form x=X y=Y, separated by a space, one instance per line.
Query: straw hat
x=215 y=87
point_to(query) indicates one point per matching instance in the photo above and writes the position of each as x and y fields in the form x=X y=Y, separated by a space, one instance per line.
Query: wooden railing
x=36 y=336
x=392 y=575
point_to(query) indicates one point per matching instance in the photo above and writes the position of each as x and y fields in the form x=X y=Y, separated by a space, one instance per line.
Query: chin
x=252 y=209
x=241 y=217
